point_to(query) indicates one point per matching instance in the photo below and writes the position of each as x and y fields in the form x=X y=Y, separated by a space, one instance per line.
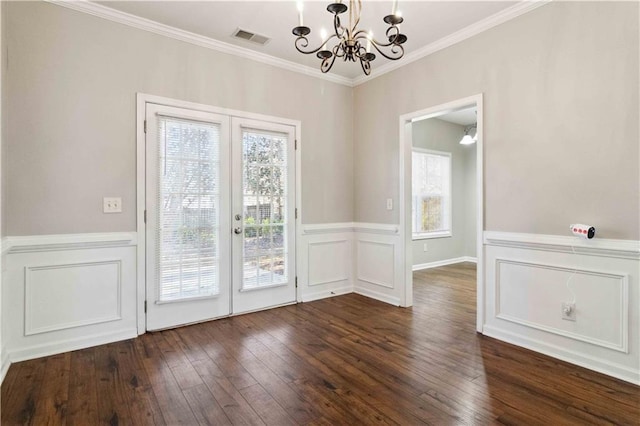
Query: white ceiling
x=425 y=22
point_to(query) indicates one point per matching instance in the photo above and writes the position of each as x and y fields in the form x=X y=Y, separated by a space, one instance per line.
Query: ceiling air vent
x=249 y=36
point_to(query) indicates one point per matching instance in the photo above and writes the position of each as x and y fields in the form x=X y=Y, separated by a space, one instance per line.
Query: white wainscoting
x=528 y=277
x=52 y=293
x=341 y=258
x=66 y=292
x=325 y=267
x=378 y=265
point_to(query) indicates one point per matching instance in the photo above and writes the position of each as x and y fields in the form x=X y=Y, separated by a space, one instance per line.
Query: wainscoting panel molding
x=67 y=292
x=528 y=278
x=66 y=296
x=41 y=243
x=338 y=252
x=325 y=268
x=601 y=301
x=625 y=249
x=377 y=262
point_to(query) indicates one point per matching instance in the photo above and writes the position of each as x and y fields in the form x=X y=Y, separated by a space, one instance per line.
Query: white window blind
x=431 y=193
x=188 y=209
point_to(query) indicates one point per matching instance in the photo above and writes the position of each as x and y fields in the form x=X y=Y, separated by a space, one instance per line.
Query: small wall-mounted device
x=583 y=231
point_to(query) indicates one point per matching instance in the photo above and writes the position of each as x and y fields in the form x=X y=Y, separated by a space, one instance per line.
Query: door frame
x=141 y=100
x=405 y=139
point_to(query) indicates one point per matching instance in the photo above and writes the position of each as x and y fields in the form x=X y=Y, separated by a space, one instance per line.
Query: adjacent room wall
x=471 y=207
x=560 y=88
x=439 y=135
x=71 y=90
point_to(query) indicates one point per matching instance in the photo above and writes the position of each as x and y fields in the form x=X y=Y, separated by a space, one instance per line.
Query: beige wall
x=471 y=203
x=443 y=136
x=561 y=110
x=71 y=89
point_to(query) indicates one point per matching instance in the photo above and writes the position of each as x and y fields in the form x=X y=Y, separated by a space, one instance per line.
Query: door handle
x=237 y=230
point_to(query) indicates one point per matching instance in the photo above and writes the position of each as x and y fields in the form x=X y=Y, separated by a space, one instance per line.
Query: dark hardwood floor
x=346 y=360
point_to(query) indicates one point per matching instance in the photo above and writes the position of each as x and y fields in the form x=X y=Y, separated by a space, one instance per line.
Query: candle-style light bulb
x=394 y=8
x=323 y=35
x=300 y=8
x=369 y=38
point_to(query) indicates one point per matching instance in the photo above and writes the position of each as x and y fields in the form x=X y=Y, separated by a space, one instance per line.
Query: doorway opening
x=441 y=201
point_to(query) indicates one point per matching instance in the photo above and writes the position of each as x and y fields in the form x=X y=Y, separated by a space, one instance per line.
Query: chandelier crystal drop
x=350 y=43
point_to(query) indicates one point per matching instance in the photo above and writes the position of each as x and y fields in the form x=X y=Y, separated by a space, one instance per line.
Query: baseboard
x=376 y=295
x=4 y=366
x=445 y=262
x=310 y=297
x=601 y=366
x=38 y=351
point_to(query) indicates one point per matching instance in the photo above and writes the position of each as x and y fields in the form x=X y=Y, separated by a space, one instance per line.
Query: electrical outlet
x=425 y=248
x=389 y=204
x=112 y=205
x=569 y=311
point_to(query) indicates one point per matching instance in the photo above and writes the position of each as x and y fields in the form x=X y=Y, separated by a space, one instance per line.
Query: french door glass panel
x=265 y=209
x=188 y=269
x=189 y=204
x=263 y=159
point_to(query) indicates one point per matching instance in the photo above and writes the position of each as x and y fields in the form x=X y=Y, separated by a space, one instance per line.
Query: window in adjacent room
x=431 y=194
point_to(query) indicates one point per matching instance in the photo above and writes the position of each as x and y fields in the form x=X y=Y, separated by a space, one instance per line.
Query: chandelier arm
x=338 y=50
x=337 y=27
x=366 y=66
x=392 y=38
x=301 y=43
x=362 y=34
x=327 y=63
x=397 y=51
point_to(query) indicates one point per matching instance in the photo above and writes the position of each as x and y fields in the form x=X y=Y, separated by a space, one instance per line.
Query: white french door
x=263 y=215
x=220 y=228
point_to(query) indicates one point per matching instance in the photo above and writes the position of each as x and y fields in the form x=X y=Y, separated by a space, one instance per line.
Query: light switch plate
x=389 y=203
x=112 y=205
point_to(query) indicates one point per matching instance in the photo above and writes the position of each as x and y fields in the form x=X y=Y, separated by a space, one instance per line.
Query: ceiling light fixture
x=467 y=139
x=350 y=40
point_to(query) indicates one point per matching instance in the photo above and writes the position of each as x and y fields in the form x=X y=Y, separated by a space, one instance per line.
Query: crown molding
x=144 y=24
x=492 y=21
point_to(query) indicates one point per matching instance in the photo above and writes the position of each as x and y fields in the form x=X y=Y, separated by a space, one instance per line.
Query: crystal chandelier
x=349 y=40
